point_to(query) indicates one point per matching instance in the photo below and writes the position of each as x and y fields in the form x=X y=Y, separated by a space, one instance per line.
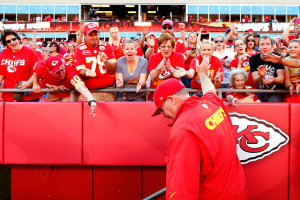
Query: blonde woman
x=116 y=42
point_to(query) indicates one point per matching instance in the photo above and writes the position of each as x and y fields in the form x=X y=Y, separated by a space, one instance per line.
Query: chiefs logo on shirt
x=101 y=48
x=11 y=68
x=164 y=73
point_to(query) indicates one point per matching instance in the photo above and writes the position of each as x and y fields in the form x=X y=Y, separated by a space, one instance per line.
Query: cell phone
x=297 y=21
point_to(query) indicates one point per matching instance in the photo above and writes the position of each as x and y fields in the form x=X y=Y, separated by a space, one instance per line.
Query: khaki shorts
x=52 y=98
x=104 y=96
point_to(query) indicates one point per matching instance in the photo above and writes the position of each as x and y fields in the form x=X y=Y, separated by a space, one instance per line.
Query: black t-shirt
x=255 y=61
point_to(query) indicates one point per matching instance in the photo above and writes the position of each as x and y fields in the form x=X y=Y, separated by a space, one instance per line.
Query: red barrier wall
x=43 y=134
x=295 y=152
x=1 y=132
x=124 y=134
x=51 y=183
x=267 y=178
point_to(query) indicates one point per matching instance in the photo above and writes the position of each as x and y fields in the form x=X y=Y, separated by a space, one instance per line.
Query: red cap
x=167 y=22
x=165 y=89
x=250 y=30
x=55 y=64
x=88 y=28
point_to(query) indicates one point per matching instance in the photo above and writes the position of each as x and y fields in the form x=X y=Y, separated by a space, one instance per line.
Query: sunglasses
x=49 y=51
x=251 y=40
x=12 y=40
x=53 y=45
x=219 y=41
x=167 y=27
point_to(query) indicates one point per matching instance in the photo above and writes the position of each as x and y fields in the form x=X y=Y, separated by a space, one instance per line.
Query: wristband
x=90 y=101
x=236 y=33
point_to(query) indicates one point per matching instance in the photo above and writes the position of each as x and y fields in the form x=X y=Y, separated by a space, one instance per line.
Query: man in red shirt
x=76 y=18
x=167 y=27
x=57 y=75
x=96 y=62
x=201 y=158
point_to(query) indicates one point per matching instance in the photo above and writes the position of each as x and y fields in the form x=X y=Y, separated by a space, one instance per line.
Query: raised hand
x=262 y=70
x=89 y=73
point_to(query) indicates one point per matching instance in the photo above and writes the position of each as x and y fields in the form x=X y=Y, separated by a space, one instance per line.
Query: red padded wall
x=51 y=183
x=124 y=134
x=43 y=133
x=1 y=132
x=117 y=183
x=295 y=152
x=154 y=179
x=267 y=178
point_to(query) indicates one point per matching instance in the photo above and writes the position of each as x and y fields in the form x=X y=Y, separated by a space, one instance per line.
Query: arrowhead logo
x=161 y=98
x=54 y=62
x=256 y=138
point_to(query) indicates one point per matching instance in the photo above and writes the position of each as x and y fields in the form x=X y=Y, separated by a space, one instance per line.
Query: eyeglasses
x=49 y=51
x=166 y=47
x=219 y=41
x=12 y=40
x=161 y=110
x=167 y=27
x=53 y=45
x=250 y=40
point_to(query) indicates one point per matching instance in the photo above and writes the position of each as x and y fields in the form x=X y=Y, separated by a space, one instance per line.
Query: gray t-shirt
x=131 y=80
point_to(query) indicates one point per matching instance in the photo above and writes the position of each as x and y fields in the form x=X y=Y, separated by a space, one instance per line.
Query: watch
x=90 y=101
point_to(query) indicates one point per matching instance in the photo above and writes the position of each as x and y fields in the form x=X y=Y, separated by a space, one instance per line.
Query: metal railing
x=219 y=91
x=156 y=194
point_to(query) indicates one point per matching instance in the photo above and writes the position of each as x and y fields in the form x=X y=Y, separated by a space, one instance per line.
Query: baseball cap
x=165 y=89
x=227 y=31
x=167 y=22
x=250 y=30
x=256 y=34
x=88 y=28
x=55 y=64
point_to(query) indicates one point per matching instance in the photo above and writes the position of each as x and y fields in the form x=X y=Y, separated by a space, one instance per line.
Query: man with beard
x=167 y=27
x=96 y=62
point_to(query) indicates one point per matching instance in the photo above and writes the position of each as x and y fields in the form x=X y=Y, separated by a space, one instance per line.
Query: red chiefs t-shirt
x=69 y=57
x=246 y=66
x=291 y=37
x=176 y=60
x=118 y=49
x=243 y=97
x=17 y=67
x=87 y=57
x=71 y=81
x=202 y=161
x=190 y=59
x=215 y=65
x=39 y=54
x=179 y=46
x=140 y=52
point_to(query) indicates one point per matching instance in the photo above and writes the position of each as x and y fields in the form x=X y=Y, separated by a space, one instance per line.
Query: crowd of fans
x=236 y=62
